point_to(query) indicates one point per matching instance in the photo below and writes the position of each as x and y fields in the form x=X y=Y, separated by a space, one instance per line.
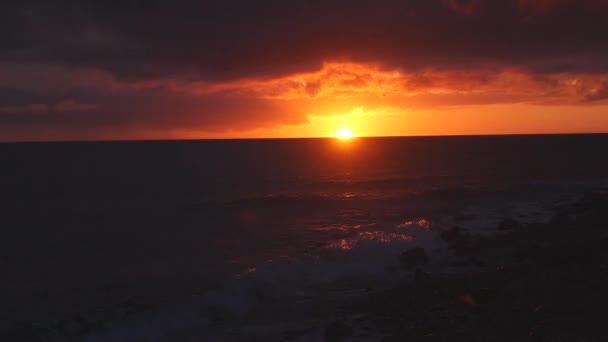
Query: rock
x=560 y=218
x=452 y=234
x=421 y=275
x=464 y=217
x=256 y=337
x=431 y=338
x=483 y=296
x=413 y=257
x=337 y=331
x=508 y=224
x=25 y=331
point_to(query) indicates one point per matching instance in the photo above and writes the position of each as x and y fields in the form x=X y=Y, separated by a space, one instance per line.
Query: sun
x=344 y=133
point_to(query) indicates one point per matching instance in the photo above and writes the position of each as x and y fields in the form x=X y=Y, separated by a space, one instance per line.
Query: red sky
x=191 y=69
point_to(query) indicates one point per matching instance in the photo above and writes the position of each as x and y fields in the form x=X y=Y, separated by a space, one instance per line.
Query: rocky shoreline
x=529 y=282
x=542 y=282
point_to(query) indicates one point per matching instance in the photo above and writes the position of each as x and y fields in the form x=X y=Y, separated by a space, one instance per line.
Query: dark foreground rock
x=452 y=234
x=508 y=224
x=413 y=257
x=337 y=331
x=546 y=283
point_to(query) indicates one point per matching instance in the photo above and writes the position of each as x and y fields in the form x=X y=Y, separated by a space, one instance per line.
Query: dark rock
x=413 y=257
x=255 y=337
x=508 y=224
x=484 y=295
x=560 y=218
x=479 y=263
x=337 y=331
x=431 y=338
x=452 y=234
x=27 y=331
x=421 y=275
x=464 y=217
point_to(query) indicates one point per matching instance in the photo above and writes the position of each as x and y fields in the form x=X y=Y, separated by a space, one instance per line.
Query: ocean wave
x=371 y=258
x=283 y=290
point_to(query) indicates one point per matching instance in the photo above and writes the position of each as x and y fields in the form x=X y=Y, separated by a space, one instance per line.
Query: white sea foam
x=273 y=296
x=371 y=255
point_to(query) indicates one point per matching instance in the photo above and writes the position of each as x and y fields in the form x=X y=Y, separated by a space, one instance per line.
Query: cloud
x=540 y=6
x=599 y=93
x=33 y=108
x=212 y=40
x=241 y=65
x=74 y=106
x=467 y=7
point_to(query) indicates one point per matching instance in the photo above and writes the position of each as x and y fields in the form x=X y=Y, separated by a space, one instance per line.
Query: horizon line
x=294 y=138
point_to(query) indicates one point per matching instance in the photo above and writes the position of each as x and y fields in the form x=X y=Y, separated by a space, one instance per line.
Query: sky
x=131 y=69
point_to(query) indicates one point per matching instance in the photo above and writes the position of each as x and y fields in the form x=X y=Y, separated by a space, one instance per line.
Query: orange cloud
x=340 y=85
x=368 y=96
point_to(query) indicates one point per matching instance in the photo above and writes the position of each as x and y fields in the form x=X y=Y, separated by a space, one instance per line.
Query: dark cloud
x=152 y=108
x=114 y=45
x=468 y=7
x=235 y=39
x=18 y=97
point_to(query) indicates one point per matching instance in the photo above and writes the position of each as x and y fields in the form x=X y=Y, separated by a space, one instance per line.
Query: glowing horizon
x=244 y=84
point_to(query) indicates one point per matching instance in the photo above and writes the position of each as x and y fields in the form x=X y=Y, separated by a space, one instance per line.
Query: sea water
x=159 y=238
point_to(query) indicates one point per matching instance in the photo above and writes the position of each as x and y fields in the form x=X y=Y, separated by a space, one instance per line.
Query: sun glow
x=344 y=133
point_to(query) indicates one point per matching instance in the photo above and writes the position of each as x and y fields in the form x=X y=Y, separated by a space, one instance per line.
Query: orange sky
x=375 y=102
x=475 y=120
x=243 y=69
x=368 y=99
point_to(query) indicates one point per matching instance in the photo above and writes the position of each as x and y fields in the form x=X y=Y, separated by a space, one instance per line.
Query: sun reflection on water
x=423 y=223
x=401 y=233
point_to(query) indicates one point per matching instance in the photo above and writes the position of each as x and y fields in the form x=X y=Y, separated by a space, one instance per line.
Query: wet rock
x=508 y=224
x=465 y=217
x=27 y=331
x=413 y=257
x=483 y=296
x=256 y=337
x=337 y=331
x=431 y=338
x=560 y=218
x=452 y=234
x=479 y=263
x=421 y=275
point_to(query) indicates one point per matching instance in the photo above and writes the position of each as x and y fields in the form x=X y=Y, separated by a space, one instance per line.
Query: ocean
x=133 y=230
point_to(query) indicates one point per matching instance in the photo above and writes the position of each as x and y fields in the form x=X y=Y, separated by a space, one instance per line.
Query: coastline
x=538 y=282
x=524 y=282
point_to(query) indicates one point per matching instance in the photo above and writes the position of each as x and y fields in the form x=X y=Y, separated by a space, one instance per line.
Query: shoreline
x=539 y=282
x=545 y=282
x=528 y=282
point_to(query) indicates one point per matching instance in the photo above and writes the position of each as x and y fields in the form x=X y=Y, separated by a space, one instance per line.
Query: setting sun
x=344 y=133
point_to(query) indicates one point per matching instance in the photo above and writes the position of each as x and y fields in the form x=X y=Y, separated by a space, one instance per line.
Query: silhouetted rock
x=508 y=224
x=430 y=338
x=413 y=257
x=560 y=218
x=483 y=296
x=421 y=275
x=464 y=217
x=452 y=234
x=337 y=331
x=29 y=331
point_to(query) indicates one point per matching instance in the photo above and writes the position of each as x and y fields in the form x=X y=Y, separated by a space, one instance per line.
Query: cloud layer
x=240 y=65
